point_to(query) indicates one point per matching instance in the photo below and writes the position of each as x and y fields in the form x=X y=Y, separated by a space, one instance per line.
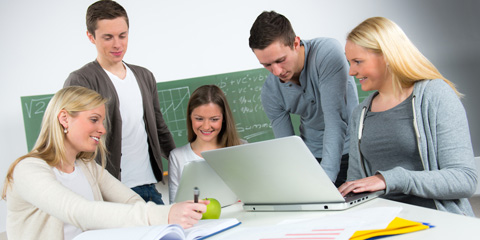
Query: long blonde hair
x=50 y=145
x=405 y=62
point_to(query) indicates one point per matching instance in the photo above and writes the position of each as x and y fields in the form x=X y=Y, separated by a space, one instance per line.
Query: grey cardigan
x=444 y=144
x=160 y=140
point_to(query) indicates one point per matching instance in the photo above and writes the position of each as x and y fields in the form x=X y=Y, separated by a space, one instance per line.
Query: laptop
x=200 y=174
x=279 y=175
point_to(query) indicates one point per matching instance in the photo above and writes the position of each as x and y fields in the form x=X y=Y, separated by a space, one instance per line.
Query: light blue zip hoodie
x=444 y=144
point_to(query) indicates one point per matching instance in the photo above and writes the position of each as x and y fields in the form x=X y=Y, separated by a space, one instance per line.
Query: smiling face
x=207 y=122
x=282 y=61
x=369 y=67
x=84 y=130
x=111 y=40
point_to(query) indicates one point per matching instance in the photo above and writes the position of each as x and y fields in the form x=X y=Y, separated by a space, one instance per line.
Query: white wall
x=43 y=41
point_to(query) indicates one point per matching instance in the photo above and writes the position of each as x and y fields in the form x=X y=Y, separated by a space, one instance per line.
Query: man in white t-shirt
x=137 y=135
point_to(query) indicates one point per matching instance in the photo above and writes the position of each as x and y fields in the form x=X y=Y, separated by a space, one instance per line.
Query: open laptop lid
x=200 y=174
x=277 y=174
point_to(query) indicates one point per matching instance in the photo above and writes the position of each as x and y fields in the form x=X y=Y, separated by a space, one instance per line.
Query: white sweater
x=38 y=204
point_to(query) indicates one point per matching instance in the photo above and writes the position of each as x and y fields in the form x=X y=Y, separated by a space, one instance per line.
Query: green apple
x=213 y=209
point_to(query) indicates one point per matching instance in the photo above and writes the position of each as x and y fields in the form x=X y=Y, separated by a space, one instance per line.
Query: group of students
x=409 y=138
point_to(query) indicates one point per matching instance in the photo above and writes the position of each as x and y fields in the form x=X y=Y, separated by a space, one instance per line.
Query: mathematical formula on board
x=243 y=95
x=36 y=106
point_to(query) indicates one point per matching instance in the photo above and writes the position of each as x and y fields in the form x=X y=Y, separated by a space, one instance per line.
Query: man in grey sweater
x=308 y=78
x=137 y=135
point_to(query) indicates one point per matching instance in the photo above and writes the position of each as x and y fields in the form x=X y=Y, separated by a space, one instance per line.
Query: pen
x=196 y=192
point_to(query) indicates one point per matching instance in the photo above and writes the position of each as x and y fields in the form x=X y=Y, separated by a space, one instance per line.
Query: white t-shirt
x=78 y=183
x=135 y=161
x=179 y=157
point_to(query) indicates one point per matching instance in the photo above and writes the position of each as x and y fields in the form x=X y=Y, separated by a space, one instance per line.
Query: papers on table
x=334 y=227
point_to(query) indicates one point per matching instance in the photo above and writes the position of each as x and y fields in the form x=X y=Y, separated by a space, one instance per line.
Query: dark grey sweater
x=160 y=140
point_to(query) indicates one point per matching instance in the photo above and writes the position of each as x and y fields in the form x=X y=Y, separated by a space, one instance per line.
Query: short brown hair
x=270 y=27
x=103 y=9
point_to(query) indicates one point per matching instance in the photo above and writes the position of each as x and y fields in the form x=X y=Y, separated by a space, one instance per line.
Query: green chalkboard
x=33 y=108
x=241 y=88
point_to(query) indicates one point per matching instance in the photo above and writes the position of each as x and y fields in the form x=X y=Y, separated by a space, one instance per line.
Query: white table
x=447 y=225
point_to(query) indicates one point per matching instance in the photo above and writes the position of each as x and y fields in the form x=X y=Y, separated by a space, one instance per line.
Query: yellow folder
x=397 y=226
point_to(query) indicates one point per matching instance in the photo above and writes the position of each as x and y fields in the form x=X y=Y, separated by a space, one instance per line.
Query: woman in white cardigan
x=57 y=190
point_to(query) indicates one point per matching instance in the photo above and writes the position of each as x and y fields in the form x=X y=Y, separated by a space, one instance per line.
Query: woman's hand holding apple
x=213 y=209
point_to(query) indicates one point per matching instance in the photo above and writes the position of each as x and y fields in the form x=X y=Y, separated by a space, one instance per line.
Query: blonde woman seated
x=57 y=190
x=210 y=126
x=410 y=137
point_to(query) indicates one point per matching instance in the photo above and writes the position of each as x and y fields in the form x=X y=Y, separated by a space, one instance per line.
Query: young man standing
x=309 y=78
x=137 y=135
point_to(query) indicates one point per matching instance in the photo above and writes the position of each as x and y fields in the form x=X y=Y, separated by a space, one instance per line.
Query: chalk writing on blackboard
x=173 y=105
x=242 y=90
x=243 y=94
x=36 y=106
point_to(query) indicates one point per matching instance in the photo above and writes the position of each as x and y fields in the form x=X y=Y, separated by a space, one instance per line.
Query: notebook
x=200 y=174
x=202 y=230
x=279 y=175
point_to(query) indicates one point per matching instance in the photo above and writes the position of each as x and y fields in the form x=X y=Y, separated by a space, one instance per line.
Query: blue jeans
x=149 y=193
